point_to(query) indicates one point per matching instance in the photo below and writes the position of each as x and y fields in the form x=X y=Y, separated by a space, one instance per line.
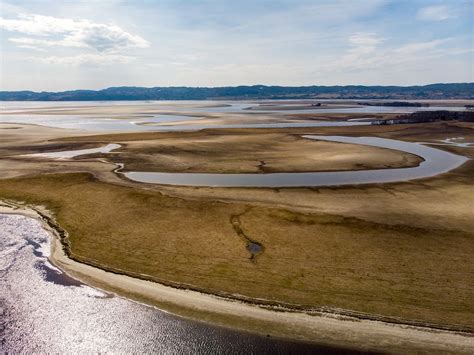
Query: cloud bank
x=48 y=32
x=435 y=13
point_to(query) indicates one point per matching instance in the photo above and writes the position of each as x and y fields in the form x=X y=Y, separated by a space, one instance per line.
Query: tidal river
x=43 y=310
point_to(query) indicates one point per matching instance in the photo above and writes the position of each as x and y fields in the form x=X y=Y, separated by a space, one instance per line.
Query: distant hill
x=433 y=91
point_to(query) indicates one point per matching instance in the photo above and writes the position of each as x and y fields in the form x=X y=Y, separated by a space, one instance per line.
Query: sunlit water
x=42 y=310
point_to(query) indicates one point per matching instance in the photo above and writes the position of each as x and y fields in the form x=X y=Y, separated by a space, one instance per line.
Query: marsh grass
x=309 y=259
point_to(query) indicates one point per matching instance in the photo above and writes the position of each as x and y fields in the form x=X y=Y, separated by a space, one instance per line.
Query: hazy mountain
x=433 y=91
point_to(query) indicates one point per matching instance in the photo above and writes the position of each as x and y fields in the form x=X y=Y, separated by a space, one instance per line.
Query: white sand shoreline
x=325 y=329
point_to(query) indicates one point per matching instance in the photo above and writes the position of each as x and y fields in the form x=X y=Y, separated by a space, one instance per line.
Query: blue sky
x=92 y=44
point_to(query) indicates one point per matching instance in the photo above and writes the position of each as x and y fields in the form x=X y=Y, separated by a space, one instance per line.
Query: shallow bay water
x=43 y=310
x=153 y=123
x=171 y=113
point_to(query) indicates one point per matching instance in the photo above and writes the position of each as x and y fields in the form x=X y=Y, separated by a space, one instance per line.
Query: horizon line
x=243 y=85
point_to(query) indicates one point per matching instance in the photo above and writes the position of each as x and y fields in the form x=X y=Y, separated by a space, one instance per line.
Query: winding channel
x=435 y=162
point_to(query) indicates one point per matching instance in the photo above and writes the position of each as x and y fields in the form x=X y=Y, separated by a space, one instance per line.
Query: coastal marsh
x=395 y=252
x=309 y=260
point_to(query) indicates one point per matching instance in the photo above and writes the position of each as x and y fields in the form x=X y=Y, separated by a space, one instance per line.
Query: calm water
x=154 y=123
x=178 y=111
x=90 y=123
x=435 y=162
x=45 y=311
x=227 y=106
x=74 y=153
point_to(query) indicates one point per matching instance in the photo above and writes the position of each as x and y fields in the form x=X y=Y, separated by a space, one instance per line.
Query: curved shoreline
x=434 y=162
x=331 y=327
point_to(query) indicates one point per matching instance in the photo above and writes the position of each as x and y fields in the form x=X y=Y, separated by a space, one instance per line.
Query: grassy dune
x=309 y=259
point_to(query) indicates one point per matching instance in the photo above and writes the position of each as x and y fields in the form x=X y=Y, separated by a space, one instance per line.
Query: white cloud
x=22 y=41
x=87 y=59
x=365 y=53
x=361 y=54
x=417 y=47
x=364 y=43
x=27 y=46
x=365 y=39
x=71 y=33
x=435 y=13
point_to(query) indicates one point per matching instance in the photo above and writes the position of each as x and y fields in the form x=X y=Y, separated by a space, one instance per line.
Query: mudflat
x=247 y=152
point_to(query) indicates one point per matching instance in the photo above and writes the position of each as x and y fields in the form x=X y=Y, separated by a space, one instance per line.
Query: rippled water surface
x=43 y=310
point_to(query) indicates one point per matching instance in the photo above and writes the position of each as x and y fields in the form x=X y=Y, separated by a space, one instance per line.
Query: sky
x=55 y=45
